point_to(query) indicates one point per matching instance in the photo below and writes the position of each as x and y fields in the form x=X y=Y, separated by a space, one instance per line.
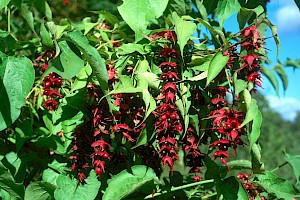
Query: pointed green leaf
x=274 y=33
x=294 y=162
x=4 y=3
x=67 y=64
x=39 y=191
x=199 y=77
x=232 y=189
x=138 y=14
x=16 y=80
x=28 y=16
x=245 y=14
x=7 y=183
x=92 y=56
x=128 y=182
x=255 y=132
x=151 y=78
x=215 y=66
x=239 y=85
x=226 y=8
x=147 y=133
x=184 y=30
x=281 y=188
x=240 y=164
x=251 y=113
x=272 y=78
x=279 y=69
x=257 y=165
x=69 y=189
x=46 y=37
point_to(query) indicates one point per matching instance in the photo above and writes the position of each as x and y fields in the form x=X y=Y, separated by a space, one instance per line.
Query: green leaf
x=69 y=189
x=147 y=133
x=28 y=16
x=4 y=3
x=240 y=164
x=16 y=80
x=39 y=191
x=281 y=188
x=290 y=63
x=226 y=8
x=50 y=176
x=214 y=31
x=245 y=14
x=128 y=181
x=151 y=78
x=232 y=189
x=46 y=36
x=239 y=85
x=7 y=183
x=294 y=162
x=272 y=78
x=142 y=67
x=199 y=77
x=255 y=132
x=138 y=14
x=257 y=165
x=184 y=30
x=92 y=56
x=130 y=48
x=274 y=33
x=251 y=113
x=215 y=66
x=67 y=64
x=279 y=69
x=88 y=25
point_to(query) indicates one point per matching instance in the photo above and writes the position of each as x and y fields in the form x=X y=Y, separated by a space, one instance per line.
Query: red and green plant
x=154 y=101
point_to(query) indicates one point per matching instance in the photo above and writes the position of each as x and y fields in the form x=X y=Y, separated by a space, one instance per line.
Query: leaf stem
x=275 y=169
x=179 y=188
x=209 y=195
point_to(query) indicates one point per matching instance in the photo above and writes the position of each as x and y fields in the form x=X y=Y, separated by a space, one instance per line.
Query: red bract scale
x=168 y=34
x=250 y=68
x=50 y=104
x=51 y=83
x=46 y=57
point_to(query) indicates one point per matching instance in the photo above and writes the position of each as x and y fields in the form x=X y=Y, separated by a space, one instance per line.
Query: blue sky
x=285 y=15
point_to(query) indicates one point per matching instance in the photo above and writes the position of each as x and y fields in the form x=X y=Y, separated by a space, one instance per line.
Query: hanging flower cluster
x=226 y=121
x=167 y=123
x=250 y=68
x=52 y=83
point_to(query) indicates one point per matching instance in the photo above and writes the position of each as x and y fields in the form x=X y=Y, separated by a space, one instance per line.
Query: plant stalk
x=173 y=189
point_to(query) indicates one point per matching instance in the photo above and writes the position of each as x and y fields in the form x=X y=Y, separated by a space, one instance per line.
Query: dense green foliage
x=141 y=99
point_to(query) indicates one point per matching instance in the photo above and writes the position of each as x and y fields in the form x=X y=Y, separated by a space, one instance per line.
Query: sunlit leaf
x=139 y=13
x=216 y=65
x=39 y=191
x=16 y=80
x=294 y=162
x=272 y=78
x=69 y=189
x=226 y=8
x=184 y=30
x=281 y=188
x=279 y=69
x=129 y=181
